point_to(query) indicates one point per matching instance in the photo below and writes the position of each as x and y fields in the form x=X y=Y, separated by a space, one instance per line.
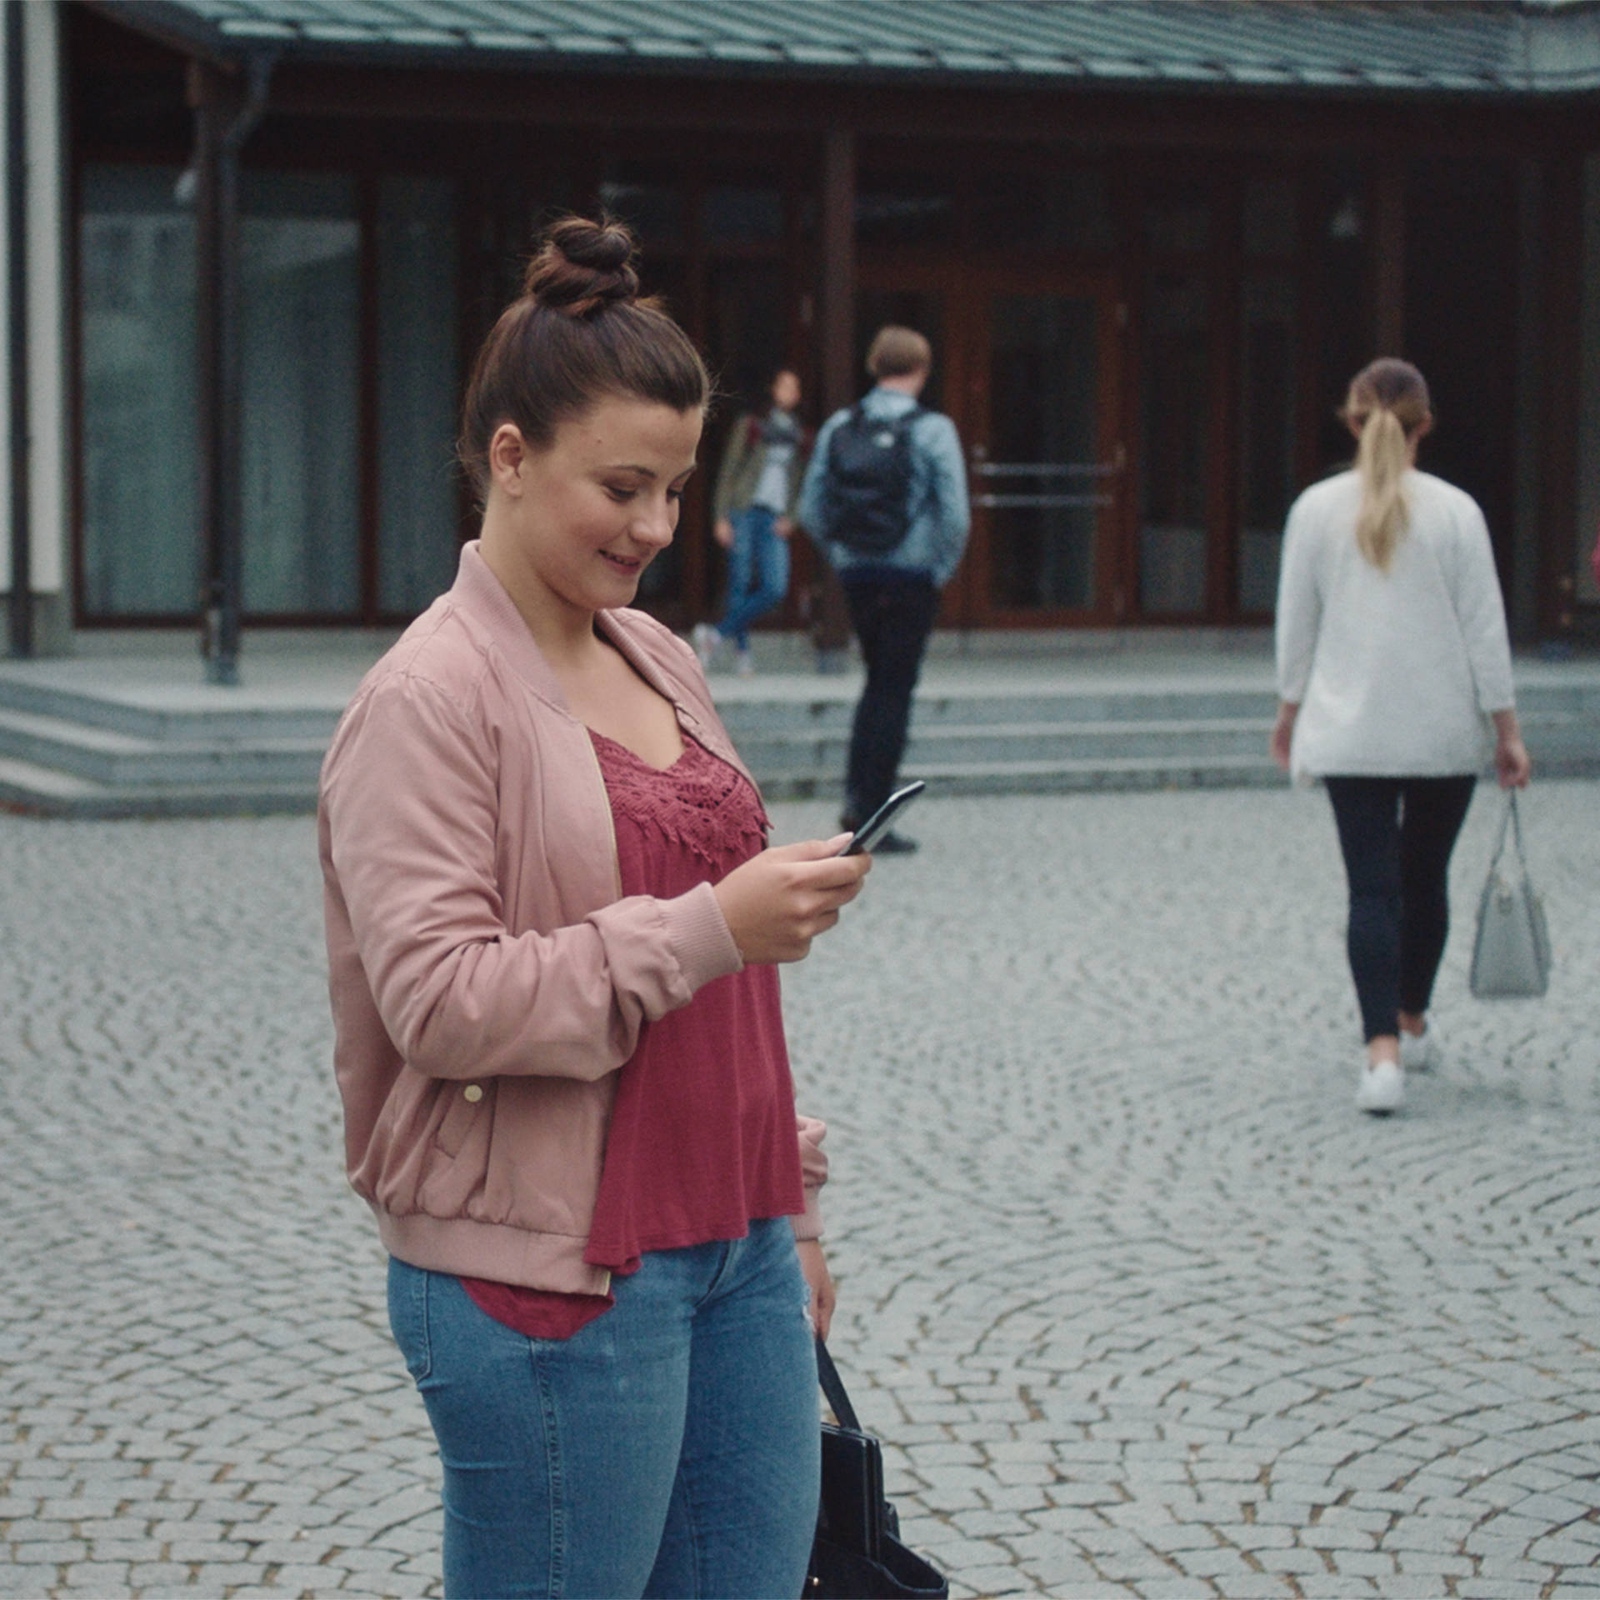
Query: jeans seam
x=552 y=1449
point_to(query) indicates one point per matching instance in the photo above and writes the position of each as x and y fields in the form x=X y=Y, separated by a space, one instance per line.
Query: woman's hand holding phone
x=779 y=901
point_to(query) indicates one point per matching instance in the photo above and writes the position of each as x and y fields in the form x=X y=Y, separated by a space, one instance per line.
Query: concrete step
x=33 y=790
x=186 y=714
x=123 y=760
x=1044 y=777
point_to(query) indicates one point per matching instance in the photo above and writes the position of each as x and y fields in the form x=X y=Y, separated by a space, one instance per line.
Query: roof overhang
x=1391 y=48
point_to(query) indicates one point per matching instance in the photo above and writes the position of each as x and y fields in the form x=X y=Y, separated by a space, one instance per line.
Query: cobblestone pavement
x=1140 y=1303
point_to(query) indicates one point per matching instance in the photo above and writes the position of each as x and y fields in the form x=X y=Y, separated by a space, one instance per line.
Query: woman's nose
x=658 y=523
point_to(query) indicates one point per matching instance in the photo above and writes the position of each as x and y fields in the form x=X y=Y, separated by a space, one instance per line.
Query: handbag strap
x=1510 y=819
x=833 y=1388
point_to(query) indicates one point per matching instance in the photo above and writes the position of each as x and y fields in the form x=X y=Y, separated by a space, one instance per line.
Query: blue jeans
x=758 y=572
x=670 y=1448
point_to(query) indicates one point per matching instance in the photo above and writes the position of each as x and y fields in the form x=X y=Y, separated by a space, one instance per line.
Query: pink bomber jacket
x=487 y=976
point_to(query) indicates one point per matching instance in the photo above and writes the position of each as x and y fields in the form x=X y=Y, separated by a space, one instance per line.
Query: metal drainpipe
x=220 y=643
x=21 y=607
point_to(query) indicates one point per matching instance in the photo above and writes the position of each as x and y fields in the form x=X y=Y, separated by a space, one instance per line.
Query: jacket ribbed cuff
x=700 y=936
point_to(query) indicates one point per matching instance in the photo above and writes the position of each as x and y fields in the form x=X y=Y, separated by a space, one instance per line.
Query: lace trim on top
x=700 y=802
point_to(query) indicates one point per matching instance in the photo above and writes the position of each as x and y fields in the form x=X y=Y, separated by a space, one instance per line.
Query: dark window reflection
x=1042 y=478
x=649 y=198
x=1042 y=210
x=1174 y=457
x=1269 y=217
x=1266 y=434
x=905 y=210
x=743 y=215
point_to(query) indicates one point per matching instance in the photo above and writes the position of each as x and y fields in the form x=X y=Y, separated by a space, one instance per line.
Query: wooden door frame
x=966 y=291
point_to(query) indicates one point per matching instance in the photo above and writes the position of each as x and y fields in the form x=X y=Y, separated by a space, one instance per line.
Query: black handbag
x=857 y=1554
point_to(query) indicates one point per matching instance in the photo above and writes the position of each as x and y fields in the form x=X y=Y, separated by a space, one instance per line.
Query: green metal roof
x=1395 y=46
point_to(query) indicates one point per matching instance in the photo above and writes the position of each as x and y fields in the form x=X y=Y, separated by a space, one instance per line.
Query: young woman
x=757 y=490
x=551 y=929
x=1392 y=665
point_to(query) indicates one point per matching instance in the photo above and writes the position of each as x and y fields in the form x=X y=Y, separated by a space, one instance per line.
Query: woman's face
x=588 y=513
x=786 y=391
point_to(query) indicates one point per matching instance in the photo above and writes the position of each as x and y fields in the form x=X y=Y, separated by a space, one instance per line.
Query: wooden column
x=225 y=113
x=21 y=597
x=1562 y=278
x=1389 y=246
x=830 y=626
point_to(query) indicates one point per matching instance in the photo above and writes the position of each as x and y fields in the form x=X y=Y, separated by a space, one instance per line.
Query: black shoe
x=895 y=844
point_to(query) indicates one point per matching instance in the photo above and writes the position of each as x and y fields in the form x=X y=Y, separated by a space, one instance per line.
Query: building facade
x=1149 y=241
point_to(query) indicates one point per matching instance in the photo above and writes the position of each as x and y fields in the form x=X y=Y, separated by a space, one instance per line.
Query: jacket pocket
x=465 y=1103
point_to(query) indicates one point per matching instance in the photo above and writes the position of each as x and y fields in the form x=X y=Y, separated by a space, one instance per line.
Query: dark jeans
x=892 y=614
x=1397 y=835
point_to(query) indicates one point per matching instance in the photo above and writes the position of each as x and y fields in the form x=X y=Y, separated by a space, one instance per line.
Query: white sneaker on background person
x=706 y=641
x=744 y=663
x=1382 y=1088
x=1422 y=1052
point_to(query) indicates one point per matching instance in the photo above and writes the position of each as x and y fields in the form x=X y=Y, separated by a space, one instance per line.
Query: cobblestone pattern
x=1140 y=1304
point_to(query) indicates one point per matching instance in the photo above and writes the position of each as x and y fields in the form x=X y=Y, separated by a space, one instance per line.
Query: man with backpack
x=885 y=496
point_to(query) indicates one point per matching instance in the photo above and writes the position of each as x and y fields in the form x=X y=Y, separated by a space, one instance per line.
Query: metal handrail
x=1047 y=469
x=1001 y=501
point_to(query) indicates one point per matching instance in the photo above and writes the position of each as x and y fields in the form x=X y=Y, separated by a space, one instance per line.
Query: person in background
x=754 y=509
x=1393 y=664
x=552 y=924
x=885 y=495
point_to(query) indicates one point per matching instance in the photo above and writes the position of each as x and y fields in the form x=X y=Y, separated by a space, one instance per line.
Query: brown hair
x=898 y=352
x=579 y=333
x=1388 y=402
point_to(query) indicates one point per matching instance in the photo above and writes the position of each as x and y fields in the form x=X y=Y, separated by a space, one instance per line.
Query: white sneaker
x=706 y=641
x=1422 y=1052
x=1382 y=1088
x=744 y=663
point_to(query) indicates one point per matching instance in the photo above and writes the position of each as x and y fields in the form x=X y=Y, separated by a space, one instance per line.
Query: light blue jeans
x=670 y=1448
x=758 y=572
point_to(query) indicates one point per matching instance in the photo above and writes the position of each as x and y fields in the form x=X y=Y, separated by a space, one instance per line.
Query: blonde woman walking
x=1393 y=668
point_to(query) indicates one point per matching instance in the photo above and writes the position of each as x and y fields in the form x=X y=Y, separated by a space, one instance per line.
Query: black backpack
x=869 y=481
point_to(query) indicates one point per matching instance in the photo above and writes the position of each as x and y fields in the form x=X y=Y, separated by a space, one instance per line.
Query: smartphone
x=874 y=828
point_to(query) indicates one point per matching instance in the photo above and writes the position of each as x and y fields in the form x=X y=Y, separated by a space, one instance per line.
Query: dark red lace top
x=702 y=1137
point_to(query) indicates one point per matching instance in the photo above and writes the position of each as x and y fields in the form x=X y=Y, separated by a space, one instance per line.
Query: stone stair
x=91 y=745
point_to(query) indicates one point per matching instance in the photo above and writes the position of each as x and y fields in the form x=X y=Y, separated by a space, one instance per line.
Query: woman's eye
x=619 y=492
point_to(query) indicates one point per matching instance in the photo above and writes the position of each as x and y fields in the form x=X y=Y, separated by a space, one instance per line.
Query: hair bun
x=584 y=266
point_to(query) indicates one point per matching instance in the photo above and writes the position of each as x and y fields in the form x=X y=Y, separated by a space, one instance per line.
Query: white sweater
x=1396 y=672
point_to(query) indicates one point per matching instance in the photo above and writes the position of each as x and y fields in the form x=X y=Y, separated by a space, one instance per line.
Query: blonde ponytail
x=1381 y=462
x=1389 y=408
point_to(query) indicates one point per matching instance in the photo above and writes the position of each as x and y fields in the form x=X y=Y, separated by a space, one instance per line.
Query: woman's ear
x=508 y=451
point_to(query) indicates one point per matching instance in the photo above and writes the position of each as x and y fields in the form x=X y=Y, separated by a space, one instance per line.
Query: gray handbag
x=1511 y=955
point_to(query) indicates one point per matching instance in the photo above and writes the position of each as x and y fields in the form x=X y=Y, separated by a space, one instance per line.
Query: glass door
x=1043 y=455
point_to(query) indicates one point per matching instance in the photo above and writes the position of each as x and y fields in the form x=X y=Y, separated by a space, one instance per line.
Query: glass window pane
x=1269 y=217
x=1266 y=434
x=299 y=293
x=736 y=215
x=663 y=578
x=649 y=198
x=141 y=525
x=905 y=308
x=1174 y=459
x=904 y=209
x=1045 y=210
x=1178 y=226
x=1042 y=476
x=417 y=378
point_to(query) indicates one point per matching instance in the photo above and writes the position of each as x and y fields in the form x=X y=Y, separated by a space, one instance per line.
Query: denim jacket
x=940 y=513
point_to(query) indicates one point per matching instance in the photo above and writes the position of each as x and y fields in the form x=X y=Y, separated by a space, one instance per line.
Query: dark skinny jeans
x=892 y=613
x=1397 y=835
